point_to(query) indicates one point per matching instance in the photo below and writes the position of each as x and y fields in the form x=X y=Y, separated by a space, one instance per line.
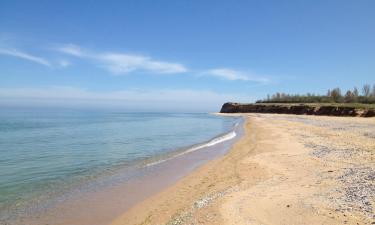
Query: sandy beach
x=286 y=169
x=187 y=112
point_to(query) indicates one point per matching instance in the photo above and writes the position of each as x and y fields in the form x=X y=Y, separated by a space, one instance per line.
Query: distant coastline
x=324 y=109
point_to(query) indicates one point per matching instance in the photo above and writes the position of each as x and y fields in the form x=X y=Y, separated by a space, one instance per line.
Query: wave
x=212 y=142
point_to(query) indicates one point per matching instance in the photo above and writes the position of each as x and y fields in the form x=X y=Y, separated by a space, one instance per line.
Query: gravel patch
x=322 y=151
x=363 y=129
x=358 y=191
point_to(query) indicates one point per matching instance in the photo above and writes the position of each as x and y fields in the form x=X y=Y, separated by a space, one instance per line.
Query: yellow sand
x=286 y=169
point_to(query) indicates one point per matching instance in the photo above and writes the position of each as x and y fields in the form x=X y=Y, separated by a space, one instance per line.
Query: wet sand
x=286 y=169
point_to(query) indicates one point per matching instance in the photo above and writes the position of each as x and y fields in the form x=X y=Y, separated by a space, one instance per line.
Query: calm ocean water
x=46 y=152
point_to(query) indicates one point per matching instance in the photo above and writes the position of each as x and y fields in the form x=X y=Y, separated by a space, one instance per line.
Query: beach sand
x=286 y=169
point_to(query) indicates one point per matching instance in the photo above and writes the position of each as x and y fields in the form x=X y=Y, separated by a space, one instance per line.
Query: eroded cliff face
x=231 y=107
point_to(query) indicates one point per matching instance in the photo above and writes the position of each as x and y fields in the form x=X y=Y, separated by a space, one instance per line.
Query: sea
x=46 y=153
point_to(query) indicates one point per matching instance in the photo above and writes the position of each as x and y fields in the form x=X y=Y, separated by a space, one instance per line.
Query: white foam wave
x=213 y=142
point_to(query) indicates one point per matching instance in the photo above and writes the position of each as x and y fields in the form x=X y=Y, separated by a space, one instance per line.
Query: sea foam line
x=213 y=142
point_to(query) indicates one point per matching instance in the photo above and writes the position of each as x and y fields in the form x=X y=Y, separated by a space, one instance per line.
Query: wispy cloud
x=120 y=63
x=231 y=74
x=25 y=56
x=124 y=63
x=72 y=50
x=64 y=63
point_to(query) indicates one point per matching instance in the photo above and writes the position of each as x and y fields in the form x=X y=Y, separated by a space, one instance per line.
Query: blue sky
x=180 y=55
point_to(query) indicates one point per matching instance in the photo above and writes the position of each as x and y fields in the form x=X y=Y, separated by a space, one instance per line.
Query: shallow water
x=46 y=153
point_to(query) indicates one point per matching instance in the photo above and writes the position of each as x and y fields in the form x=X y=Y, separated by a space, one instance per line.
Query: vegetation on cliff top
x=333 y=96
x=353 y=105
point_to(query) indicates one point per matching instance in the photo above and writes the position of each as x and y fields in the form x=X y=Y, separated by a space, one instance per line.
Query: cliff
x=298 y=109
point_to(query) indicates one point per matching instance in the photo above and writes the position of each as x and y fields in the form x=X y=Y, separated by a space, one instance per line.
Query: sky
x=183 y=56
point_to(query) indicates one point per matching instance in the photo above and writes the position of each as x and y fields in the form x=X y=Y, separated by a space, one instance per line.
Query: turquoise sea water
x=51 y=151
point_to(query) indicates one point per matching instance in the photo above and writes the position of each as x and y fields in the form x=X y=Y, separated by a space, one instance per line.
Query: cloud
x=25 y=56
x=71 y=50
x=231 y=74
x=64 y=63
x=124 y=63
x=120 y=63
x=131 y=99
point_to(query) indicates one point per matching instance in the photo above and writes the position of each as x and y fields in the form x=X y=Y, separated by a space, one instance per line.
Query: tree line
x=366 y=96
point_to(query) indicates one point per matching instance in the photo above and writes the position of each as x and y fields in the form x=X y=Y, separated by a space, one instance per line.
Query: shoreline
x=286 y=169
x=101 y=206
x=166 y=206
